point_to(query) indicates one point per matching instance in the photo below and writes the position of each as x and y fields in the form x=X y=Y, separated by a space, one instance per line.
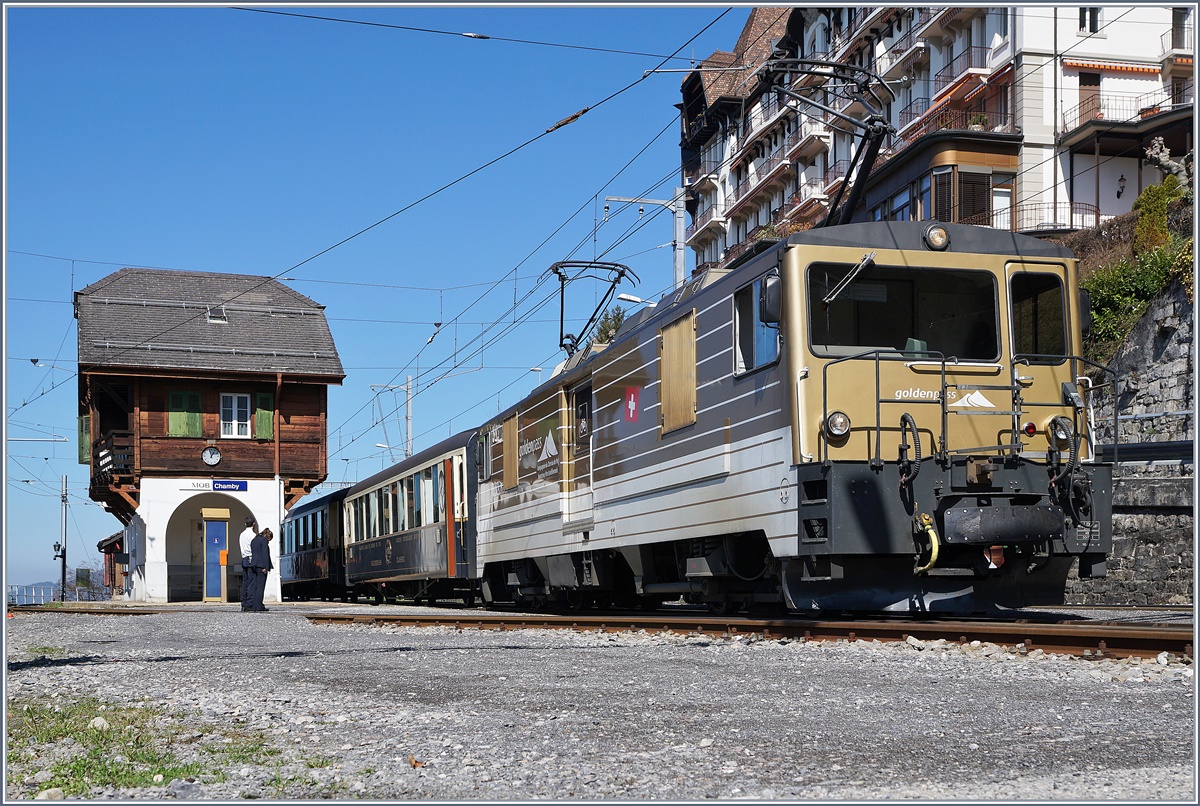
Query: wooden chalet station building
x=202 y=399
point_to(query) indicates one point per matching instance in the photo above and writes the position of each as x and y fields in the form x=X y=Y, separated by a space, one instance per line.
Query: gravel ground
x=439 y=714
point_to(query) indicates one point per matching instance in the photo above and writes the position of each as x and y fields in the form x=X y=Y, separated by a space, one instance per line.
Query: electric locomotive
x=876 y=416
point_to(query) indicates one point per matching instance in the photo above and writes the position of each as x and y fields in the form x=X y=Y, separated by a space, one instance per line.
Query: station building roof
x=203 y=321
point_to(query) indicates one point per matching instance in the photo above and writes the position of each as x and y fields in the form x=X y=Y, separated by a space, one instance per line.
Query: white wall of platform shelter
x=166 y=538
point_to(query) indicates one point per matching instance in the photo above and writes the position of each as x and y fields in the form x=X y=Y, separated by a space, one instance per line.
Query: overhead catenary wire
x=387 y=218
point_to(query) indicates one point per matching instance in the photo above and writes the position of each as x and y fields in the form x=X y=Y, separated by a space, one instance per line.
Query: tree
x=609 y=324
x=1158 y=155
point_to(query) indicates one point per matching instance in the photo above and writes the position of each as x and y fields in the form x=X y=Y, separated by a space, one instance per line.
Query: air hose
x=1072 y=456
x=906 y=423
x=925 y=524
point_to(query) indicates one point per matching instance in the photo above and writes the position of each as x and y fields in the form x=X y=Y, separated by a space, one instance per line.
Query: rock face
x=1153 y=502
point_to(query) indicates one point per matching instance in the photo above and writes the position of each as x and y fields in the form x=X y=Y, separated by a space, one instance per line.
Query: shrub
x=1151 y=230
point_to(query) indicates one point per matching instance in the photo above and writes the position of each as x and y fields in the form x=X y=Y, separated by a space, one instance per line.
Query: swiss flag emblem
x=632 y=393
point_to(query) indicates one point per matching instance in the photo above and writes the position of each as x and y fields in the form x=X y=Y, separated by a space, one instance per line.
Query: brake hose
x=1072 y=456
x=906 y=422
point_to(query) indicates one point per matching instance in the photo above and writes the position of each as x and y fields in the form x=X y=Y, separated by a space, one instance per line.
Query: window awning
x=1121 y=67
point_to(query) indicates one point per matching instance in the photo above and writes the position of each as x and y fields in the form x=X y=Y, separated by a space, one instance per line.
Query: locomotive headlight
x=837 y=425
x=936 y=237
x=1060 y=431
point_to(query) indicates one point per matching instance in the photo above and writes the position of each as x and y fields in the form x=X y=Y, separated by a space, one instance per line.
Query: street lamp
x=636 y=300
x=538 y=370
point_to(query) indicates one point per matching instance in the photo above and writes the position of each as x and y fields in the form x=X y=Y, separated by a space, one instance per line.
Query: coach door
x=578 y=516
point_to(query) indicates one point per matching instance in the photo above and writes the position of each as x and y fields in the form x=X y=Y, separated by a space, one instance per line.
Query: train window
x=425 y=515
x=401 y=506
x=1038 y=323
x=414 y=504
x=757 y=342
x=385 y=510
x=678 y=356
x=435 y=493
x=949 y=311
x=393 y=491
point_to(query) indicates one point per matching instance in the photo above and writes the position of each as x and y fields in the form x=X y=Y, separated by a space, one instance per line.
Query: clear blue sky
x=217 y=139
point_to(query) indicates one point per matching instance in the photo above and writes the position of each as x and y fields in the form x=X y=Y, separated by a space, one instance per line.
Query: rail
x=1023 y=632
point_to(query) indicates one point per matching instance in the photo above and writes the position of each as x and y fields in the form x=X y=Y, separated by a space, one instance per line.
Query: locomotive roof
x=909 y=235
x=187 y=321
x=416 y=460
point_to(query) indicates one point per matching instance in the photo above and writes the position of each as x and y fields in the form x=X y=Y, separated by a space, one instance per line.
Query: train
x=881 y=416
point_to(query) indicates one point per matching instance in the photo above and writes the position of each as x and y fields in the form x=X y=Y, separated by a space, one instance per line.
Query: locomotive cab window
x=1038 y=324
x=757 y=342
x=910 y=309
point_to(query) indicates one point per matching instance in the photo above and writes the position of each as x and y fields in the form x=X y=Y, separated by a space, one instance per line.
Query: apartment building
x=1029 y=118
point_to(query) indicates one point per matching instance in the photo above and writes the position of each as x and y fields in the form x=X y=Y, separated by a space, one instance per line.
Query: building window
x=943 y=195
x=925 y=208
x=975 y=199
x=183 y=414
x=235 y=416
x=901 y=210
x=677 y=348
x=1089 y=19
x=757 y=342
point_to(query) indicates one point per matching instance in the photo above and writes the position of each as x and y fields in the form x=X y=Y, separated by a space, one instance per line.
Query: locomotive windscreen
x=950 y=311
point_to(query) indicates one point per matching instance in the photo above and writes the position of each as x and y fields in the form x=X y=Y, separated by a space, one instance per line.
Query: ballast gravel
x=381 y=713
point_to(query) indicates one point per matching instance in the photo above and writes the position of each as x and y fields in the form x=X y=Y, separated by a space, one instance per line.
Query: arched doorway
x=199 y=530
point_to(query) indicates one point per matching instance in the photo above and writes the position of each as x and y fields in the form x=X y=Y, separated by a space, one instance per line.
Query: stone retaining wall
x=1153 y=502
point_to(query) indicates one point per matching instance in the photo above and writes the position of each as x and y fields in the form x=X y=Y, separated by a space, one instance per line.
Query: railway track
x=1095 y=640
x=1083 y=638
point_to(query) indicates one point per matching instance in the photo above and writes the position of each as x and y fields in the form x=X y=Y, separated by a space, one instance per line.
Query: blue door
x=215 y=534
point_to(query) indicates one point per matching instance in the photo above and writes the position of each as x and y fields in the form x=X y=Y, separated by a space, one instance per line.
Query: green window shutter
x=193 y=414
x=85 y=439
x=176 y=416
x=183 y=414
x=264 y=415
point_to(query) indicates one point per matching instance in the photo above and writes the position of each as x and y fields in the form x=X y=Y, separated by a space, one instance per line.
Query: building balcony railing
x=808 y=191
x=955 y=120
x=1180 y=38
x=1125 y=107
x=913 y=111
x=837 y=172
x=701 y=220
x=113 y=453
x=1039 y=216
x=971 y=58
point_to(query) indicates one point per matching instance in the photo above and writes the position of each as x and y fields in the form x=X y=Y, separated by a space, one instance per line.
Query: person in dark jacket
x=244 y=540
x=260 y=566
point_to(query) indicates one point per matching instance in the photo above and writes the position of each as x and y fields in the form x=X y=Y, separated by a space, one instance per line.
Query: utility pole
x=60 y=549
x=408 y=384
x=678 y=205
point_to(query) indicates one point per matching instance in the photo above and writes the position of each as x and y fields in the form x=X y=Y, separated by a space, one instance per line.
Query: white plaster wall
x=1130 y=32
x=161 y=498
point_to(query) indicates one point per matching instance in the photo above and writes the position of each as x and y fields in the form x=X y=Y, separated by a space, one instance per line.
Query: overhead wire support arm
x=854 y=84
